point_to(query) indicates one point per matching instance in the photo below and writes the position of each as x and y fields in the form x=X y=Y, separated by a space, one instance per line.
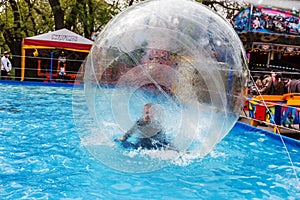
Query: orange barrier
x=71 y=76
x=291 y=99
x=275 y=109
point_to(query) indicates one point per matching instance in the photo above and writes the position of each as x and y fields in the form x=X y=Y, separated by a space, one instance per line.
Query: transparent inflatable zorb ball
x=181 y=57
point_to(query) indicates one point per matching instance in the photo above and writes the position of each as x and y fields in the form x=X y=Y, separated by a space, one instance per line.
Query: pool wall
x=272 y=135
x=33 y=83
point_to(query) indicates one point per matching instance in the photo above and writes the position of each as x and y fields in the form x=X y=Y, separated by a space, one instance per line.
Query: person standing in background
x=5 y=66
x=62 y=64
x=293 y=85
x=278 y=84
x=264 y=84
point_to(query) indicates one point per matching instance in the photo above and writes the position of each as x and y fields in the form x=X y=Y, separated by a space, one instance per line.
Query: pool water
x=42 y=157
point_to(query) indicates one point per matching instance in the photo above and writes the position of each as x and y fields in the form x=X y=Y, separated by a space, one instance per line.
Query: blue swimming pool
x=42 y=157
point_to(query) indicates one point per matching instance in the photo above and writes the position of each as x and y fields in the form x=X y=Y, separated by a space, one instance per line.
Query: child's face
x=147 y=111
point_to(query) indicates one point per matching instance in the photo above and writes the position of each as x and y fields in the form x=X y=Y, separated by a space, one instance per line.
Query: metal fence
x=45 y=69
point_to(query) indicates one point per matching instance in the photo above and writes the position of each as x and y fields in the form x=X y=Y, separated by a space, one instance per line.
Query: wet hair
x=148 y=105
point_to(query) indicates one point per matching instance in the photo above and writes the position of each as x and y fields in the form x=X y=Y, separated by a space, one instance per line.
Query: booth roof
x=62 y=38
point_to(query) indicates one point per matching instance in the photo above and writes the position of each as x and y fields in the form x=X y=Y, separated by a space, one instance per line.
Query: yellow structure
x=60 y=39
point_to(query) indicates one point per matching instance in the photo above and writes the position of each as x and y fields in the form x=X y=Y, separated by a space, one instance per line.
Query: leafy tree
x=87 y=16
x=58 y=14
x=12 y=26
x=23 y=18
x=225 y=8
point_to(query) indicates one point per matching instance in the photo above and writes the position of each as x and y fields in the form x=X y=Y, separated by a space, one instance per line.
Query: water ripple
x=41 y=157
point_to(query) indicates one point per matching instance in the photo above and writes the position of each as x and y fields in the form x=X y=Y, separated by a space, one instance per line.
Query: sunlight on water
x=42 y=157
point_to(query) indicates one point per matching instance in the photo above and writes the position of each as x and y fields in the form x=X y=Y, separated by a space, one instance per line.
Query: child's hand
x=120 y=139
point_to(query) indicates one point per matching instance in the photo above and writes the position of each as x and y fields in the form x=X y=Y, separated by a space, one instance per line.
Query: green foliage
x=24 y=18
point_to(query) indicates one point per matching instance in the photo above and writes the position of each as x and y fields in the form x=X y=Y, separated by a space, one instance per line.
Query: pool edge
x=287 y=140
